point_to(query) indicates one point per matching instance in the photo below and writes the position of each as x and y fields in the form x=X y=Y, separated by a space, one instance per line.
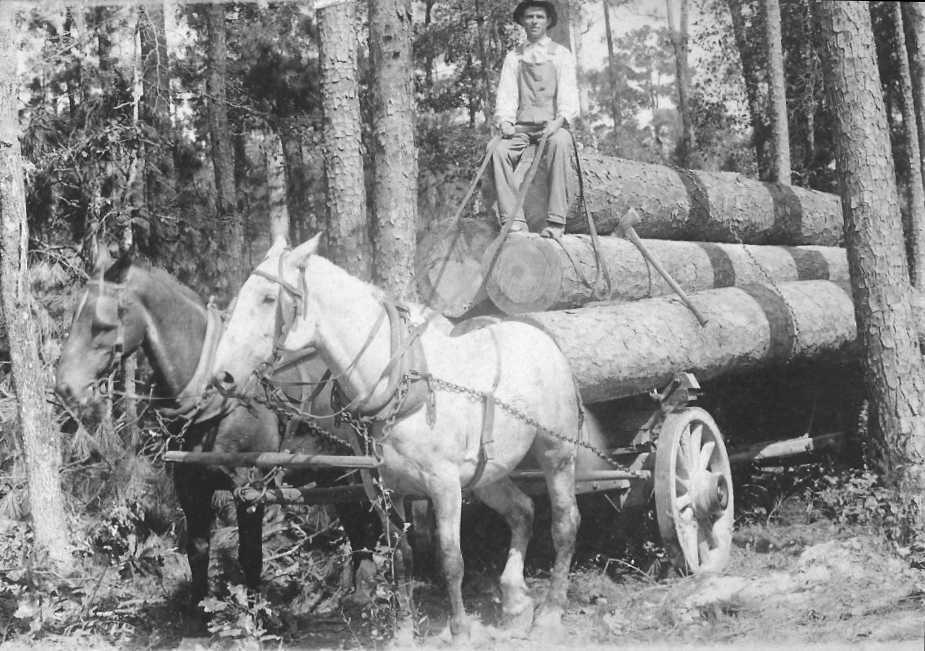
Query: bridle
x=400 y=345
x=109 y=317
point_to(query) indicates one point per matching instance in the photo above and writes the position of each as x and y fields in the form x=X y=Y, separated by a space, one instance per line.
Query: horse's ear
x=119 y=267
x=302 y=252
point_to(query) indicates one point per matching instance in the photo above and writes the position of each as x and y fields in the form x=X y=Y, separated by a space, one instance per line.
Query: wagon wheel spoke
x=705 y=453
x=684 y=466
x=684 y=456
x=695 y=442
x=689 y=539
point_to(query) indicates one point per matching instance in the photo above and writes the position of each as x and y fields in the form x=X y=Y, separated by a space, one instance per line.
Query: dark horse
x=135 y=306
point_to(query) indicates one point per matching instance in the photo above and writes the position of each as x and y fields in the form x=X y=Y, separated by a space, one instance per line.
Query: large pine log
x=695 y=205
x=623 y=349
x=534 y=274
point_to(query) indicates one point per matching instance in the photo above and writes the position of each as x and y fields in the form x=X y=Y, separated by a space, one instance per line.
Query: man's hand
x=507 y=130
x=551 y=127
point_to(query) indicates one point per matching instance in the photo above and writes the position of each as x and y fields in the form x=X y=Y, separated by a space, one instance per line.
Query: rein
x=399 y=368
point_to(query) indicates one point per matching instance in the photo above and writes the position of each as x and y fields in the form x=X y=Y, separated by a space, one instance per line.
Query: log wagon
x=638 y=353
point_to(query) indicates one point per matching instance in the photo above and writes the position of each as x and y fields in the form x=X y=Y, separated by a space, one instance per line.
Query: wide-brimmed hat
x=526 y=4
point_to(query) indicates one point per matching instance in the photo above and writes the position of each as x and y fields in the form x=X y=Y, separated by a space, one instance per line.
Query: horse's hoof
x=517 y=625
x=547 y=626
x=461 y=630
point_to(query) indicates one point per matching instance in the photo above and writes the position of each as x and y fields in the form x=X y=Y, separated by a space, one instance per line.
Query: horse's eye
x=269 y=298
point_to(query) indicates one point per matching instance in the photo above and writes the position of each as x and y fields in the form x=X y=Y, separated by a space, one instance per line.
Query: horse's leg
x=195 y=495
x=517 y=510
x=250 y=542
x=446 y=497
x=557 y=461
x=362 y=528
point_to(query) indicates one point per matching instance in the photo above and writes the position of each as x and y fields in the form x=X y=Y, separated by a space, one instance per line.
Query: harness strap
x=189 y=398
x=486 y=436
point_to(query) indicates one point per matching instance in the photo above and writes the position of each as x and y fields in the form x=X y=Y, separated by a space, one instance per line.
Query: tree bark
x=679 y=43
x=230 y=224
x=394 y=153
x=347 y=226
x=914 y=19
x=534 y=274
x=276 y=189
x=158 y=166
x=40 y=442
x=611 y=64
x=302 y=221
x=618 y=350
x=777 y=105
x=747 y=38
x=916 y=231
x=562 y=32
x=695 y=205
x=894 y=370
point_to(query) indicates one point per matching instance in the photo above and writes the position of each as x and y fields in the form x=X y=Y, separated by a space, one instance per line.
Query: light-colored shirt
x=507 y=98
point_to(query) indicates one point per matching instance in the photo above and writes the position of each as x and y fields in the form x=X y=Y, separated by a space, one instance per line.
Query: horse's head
x=106 y=326
x=264 y=310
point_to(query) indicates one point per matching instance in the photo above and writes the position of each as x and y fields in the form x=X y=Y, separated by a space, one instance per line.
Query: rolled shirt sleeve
x=567 y=102
x=507 y=97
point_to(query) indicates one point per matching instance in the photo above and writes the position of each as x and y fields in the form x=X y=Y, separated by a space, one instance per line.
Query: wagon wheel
x=693 y=492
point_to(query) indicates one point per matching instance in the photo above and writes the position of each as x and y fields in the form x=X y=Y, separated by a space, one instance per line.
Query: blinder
x=285 y=318
x=107 y=313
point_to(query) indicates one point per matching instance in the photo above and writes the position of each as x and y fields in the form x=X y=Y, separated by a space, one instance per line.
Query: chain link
x=770 y=280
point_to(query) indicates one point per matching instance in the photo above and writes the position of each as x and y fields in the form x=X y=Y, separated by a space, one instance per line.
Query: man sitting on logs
x=537 y=96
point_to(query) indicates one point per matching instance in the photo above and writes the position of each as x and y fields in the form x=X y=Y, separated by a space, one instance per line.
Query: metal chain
x=770 y=280
x=476 y=395
x=361 y=424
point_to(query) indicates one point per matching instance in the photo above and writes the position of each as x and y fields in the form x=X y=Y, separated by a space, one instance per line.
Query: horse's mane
x=164 y=277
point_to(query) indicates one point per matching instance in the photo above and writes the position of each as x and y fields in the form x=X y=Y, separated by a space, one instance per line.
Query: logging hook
x=626 y=225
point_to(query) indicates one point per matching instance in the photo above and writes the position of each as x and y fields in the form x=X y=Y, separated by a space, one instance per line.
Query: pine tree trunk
x=611 y=65
x=276 y=189
x=347 y=224
x=747 y=39
x=562 y=32
x=617 y=350
x=534 y=274
x=394 y=154
x=780 y=132
x=916 y=231
x=230 y=224
x=155 y=116
x=894 y=369
x=40 y=438
x=914 y=21
x=301 y=218
x=679 y=43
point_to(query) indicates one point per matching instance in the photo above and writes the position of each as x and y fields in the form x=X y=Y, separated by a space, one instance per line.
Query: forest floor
x=818 y=560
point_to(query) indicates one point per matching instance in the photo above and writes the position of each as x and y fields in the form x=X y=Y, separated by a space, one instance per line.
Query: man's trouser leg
x=503 y=161
x=558 y=158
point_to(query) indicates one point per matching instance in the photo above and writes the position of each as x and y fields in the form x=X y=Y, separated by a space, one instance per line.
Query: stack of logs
x=766 y=271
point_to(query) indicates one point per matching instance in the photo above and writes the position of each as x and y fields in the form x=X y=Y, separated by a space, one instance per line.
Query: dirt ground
x=811 y=565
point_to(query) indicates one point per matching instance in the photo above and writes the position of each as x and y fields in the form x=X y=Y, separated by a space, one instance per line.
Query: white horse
x=449 y=412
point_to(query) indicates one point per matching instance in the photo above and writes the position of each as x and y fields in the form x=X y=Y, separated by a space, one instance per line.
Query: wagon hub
x=710 y=494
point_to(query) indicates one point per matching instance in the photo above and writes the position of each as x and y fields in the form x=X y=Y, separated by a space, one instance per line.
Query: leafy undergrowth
x=819 y=556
